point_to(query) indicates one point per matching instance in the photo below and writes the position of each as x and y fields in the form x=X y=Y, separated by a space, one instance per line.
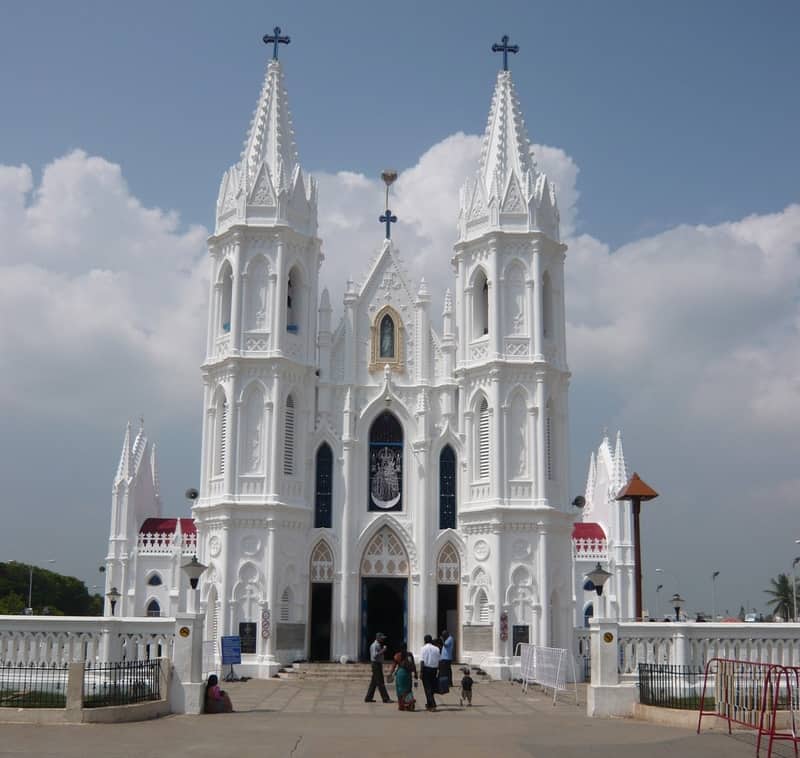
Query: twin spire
x=267 y=186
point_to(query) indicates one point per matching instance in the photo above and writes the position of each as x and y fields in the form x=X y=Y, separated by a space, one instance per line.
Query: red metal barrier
x=751 y=694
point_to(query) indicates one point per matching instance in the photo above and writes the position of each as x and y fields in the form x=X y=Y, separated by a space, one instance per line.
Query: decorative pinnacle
x=275 y=39
x=503 y=48
x=389 y=177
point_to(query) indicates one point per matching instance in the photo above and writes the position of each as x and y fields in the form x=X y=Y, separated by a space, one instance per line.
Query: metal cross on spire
x=389 y=177
x=504 y=48
x=275 y=39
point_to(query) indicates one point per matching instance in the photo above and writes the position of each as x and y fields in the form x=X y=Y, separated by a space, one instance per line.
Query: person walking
x=429 y=661
x=376 y=652
x=446 y=662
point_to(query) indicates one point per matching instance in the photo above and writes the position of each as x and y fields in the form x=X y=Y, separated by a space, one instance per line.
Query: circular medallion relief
x=481 y=550
x=520 y=549
x=215 y=546
x=250 y=544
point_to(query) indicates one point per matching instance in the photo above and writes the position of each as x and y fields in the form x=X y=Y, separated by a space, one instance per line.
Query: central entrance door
x=384 y=603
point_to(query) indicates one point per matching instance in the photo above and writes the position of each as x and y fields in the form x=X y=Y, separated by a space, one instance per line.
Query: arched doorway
x=384 y=591
x=319 y=643
x=448 y=575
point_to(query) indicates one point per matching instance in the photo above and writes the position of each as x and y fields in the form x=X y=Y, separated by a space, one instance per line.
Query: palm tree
x=782 y=595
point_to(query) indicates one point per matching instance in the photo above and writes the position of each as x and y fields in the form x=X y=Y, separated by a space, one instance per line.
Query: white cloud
x=94 y=290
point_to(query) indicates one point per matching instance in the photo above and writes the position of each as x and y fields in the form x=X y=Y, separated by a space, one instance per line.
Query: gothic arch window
x=448 y=566
x=514 y=298
x=154 y=580
x=288 y=437
x=482 y=461
x=385 y=465
x=480 y=305
x=294 y=301
x=322 y=563
x=517 y=429
x=385 y=555
x=387 y=340
x=323 y=493
x=482 y=615
x=153 y=608
x=447 y=488
x=547 y=306
x=226 y=297
x=220 y=434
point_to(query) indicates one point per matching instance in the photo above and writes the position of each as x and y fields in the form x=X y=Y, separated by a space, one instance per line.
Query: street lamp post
x=658 y=599
x=794 y=585
x=193 y=569
x=31 y=567
x=113 y=595
x=714 y=596
x=598 y=576
x=636 y=490
x=677 y=602
x=674 y=577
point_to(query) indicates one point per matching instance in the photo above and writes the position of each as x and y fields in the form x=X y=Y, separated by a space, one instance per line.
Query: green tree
x=12 y=604
x=781 y=596
x=62 y=595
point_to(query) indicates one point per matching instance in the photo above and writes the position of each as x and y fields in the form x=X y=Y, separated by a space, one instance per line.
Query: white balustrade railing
x=156 y=543
x=57 y=640
x=694 y=644
x=590 y=548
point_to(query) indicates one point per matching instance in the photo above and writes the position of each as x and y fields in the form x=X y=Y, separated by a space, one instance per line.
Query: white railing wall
x=58 y=640
x=694 y=644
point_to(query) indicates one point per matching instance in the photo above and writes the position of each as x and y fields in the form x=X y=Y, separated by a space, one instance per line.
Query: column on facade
x=271 y=483
x=505 y=490
x=544 y=586
x=532 y=452
x=270 y=591
x=208 y=425
x=226 y=582
x=536 y=326
x=277 y=434
x=499 y=586
x=234 y=408
x=236 y=293
x=495 y=326
x=541 y=450
x=426 y=562
x=530 y=320
x=497 y=436
x=279 y=303
x=346 y=640
x=469 y=455
x=468 y=327
x=214 y=290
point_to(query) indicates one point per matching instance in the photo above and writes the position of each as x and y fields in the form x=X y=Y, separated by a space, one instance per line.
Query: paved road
x=310 y=719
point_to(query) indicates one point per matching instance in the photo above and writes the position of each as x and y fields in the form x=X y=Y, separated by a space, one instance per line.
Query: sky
x=671 y=133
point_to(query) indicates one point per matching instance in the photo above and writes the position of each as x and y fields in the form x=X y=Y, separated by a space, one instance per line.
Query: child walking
x=466 y=688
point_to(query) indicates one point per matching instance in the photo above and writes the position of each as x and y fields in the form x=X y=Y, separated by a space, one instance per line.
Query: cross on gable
x=388 y=219
x=275 y=39
x=505 y=49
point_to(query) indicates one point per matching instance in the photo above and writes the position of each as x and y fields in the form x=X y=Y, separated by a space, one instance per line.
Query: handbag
x=442 y=685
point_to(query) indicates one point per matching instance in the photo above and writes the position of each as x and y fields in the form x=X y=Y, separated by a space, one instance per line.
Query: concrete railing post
x=680 y=647
x=186 y=685
x=604 y=640
x=74 y=704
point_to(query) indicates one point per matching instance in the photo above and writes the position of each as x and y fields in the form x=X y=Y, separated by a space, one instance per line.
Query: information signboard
x=231 y=650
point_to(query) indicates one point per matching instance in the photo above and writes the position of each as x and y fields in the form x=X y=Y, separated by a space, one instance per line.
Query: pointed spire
x=592 y=478
x=154 y=470
x=270 y=140
x=506 y=147
x=448 y=303
x=423 y=296
x=620 y=471
x=124 y=467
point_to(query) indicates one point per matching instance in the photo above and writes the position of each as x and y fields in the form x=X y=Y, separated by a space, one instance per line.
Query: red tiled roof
x=167 y=526
x=587 y=530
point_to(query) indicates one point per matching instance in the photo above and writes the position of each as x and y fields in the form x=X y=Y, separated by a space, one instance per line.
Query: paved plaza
x=329 y=718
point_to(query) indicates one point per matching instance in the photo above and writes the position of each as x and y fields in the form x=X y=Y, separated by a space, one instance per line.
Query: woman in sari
x=404 y=668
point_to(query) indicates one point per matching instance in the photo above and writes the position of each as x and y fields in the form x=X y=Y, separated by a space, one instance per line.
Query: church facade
x=399 y=471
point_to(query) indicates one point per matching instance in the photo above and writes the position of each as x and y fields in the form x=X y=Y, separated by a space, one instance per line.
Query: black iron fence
x=32 y=686
x=671 y=686
x=121 y=683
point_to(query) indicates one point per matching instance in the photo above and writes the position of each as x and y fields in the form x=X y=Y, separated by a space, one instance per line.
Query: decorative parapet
x=589 y=548
x=161 y=543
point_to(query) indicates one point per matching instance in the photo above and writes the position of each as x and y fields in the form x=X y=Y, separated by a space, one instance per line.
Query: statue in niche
x=387 y=337
x=254 y=433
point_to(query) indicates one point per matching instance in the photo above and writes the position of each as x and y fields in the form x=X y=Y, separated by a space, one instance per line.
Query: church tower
x=259 y=372
x=513 y=380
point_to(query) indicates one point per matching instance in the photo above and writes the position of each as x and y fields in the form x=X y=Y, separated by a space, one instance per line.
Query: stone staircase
x=305 y=671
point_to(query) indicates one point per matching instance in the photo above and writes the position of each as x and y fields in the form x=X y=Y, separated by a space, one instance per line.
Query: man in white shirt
x=429 y=662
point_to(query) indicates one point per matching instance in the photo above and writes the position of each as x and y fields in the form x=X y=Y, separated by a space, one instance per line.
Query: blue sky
x=679 y=112
x=671 y=129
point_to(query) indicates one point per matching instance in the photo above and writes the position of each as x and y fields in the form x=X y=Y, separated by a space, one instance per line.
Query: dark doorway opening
x=447 y=610
x=383 y=609
x=320 y=632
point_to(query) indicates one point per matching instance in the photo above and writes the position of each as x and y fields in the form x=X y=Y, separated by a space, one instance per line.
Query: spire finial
x=389 y=177
x=505 y=49
x=275 y=39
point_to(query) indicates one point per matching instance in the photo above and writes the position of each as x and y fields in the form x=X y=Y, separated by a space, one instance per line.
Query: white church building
x=399 y=471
